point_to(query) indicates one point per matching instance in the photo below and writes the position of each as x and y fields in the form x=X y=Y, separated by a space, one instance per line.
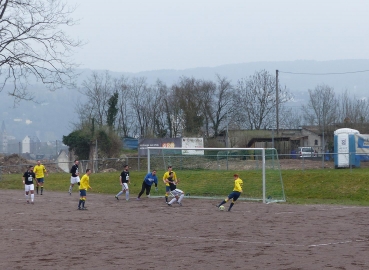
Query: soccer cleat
x=169 y=204
x=180 y=204
x=70 y=193
x=84 y=208
x=127 y=200
x=27 y=202
x=116 y=197
x=79 y=208
x=138 y=199
x=148 y=196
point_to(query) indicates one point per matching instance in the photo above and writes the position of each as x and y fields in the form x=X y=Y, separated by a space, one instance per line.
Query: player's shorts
x=167 y=188
x=82 y=192
x=74 y=180
x=234 y=195
x=124 y=186
x=29 y=187
x=177 y=192
x=40 y=180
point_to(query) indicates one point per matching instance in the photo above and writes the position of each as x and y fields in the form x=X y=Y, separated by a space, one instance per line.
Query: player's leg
x=40 y=182
x=148 y=189
x=82 y=194
x=181 y=196
x=71 y=185
x=126 y=189
x=230 y=196
x=26 y=190
x=175 y=195
x=142 y=190
x=37 y=184
x=234 y=199
x=119 y=193
x=32 y=191
x=167 y=191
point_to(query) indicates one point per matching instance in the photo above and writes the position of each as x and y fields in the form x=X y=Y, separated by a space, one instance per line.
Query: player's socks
x=37 y=190
x=230 y=207
x=32 y=197
x=70 y=189
x=172 y=201
x=26 y=197
x=181 y=198
x=223 y=202
x=83 y=203
x=120 y=193
x=42 y=189
x=80 y=203
x=166 y=198
x=127 y=195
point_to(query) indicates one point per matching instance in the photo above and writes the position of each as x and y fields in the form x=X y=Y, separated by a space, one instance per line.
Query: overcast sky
x=141 y=35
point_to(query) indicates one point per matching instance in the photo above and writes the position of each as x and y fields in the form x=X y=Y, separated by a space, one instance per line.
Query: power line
x=319 y=74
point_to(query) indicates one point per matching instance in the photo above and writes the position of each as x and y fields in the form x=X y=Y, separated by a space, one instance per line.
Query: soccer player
x=84 y=185
x=40 y=171
x=28 y=177
x=74 y=179
x=165 y=177
x=176 y=192
x=235 y=194
x=149 y=179
x=124 y=181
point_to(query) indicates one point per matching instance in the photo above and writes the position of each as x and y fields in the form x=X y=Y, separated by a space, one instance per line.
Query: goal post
x=208 y=172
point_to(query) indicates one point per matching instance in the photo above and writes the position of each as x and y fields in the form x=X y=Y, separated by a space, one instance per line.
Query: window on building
x=316 y=142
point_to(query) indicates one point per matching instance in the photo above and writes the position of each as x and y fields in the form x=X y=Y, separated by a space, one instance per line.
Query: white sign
x=192 y=143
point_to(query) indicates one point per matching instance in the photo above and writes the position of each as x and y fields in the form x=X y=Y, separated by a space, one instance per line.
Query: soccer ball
x=221 y=208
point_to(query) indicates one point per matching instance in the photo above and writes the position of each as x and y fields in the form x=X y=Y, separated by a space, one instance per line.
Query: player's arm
x=120 y=180
x=24 y=179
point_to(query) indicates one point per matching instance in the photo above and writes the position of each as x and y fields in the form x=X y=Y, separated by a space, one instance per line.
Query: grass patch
x=346 y=187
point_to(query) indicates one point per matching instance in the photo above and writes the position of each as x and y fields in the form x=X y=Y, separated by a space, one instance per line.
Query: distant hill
x=51 y=119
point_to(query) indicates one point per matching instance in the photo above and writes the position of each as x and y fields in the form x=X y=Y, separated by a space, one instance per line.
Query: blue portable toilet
x=345 y=148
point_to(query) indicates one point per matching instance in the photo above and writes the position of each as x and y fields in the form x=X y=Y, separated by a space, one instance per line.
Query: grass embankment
x=347 y=187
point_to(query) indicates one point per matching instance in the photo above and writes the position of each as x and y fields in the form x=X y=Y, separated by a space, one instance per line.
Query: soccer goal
x=208 y=172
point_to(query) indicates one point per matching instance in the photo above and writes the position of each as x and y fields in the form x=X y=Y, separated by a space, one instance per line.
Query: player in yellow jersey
x=235 y=194
x=84 y=185
x=166 y=182
x=40 y=171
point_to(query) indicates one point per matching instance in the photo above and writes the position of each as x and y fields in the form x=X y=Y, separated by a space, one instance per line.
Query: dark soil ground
x=147 y=234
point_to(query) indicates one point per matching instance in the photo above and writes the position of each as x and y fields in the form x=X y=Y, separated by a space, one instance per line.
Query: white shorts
x=74 y=180
x=176 y=192
x=29 y=187
x=124 y=186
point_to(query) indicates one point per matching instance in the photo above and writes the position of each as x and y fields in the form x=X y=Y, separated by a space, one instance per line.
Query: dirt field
x=147 y=234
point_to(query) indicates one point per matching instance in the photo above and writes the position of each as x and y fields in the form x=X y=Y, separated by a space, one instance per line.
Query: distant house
x=63 y=161
x=26 y=145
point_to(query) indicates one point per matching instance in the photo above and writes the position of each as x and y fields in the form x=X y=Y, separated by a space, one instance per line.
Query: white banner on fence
x=192 y=143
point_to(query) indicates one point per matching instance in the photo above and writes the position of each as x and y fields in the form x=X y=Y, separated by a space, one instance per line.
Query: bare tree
x=34 y=45
x=257 y=97
x=124 y=112
x=98 y=89
x=352 y=111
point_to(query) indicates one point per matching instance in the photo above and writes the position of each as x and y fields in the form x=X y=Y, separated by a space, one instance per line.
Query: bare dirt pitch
x=147 y=234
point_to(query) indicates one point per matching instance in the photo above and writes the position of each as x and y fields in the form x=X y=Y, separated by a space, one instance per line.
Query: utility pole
x=277 y=100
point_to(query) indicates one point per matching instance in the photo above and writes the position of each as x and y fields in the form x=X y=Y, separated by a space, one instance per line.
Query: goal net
x=208 y=172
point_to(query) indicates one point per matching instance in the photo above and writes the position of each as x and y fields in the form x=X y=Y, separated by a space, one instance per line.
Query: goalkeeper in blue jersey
x=235 y=194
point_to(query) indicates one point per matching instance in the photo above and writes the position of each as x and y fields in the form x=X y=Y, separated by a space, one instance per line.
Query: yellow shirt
x=39 y=170
x=166 y=176
x=238 y=183
x=85 y=182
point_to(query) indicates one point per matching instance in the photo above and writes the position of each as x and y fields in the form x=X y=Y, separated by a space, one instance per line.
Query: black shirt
x=74 y=170
x=125 y=176
x=28 y=177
